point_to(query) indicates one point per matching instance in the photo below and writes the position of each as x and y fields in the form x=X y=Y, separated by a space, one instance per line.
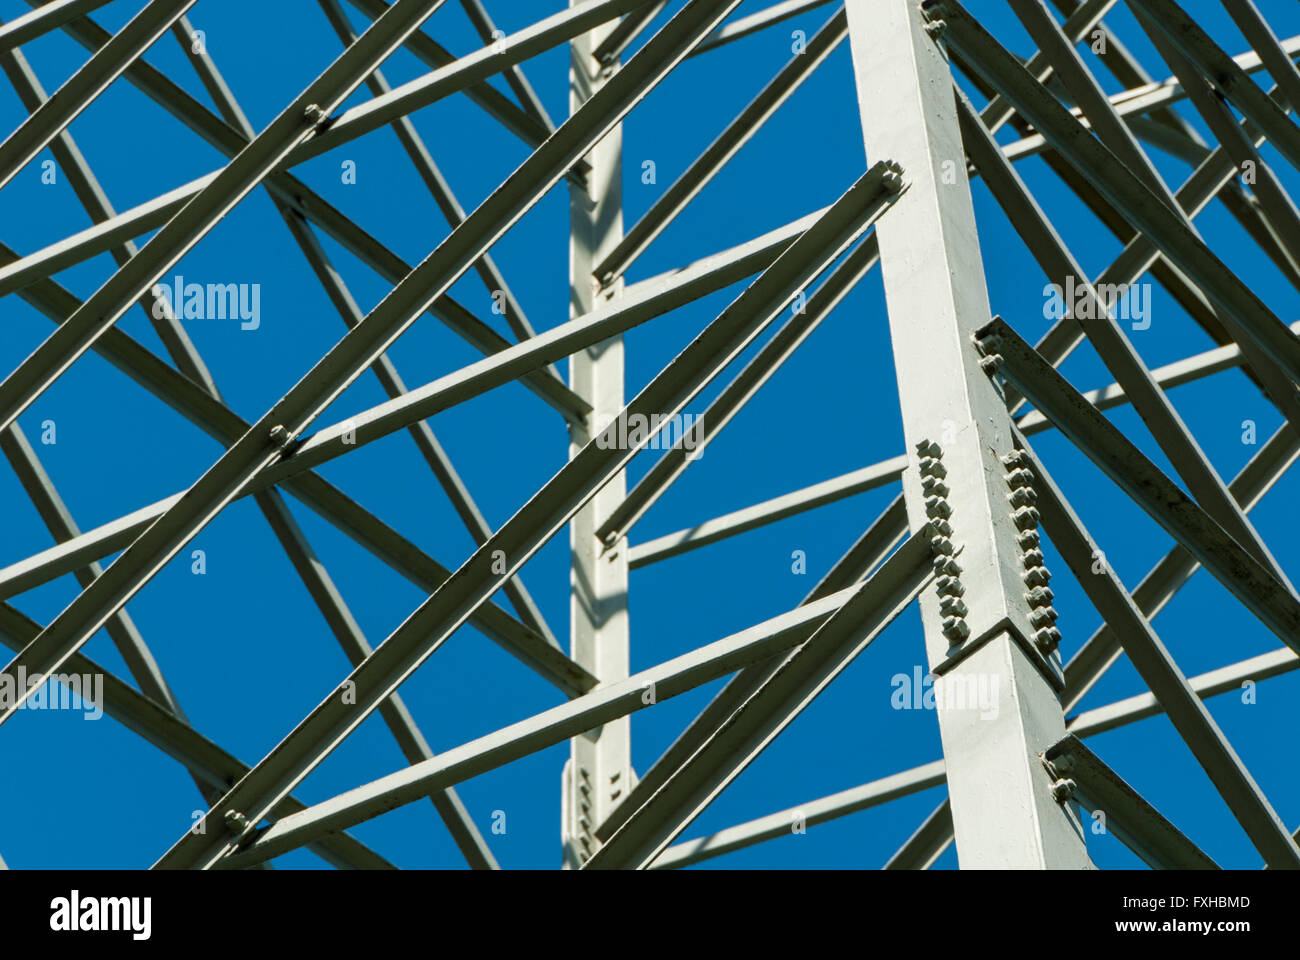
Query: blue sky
x=247 y=652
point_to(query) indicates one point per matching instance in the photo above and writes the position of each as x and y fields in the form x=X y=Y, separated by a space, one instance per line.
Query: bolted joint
x=1015 y=459
x=991 y=364
x=1027 y=541
x=941 y=545
x=941 y=526
x=928 y=448
x=1033 y=558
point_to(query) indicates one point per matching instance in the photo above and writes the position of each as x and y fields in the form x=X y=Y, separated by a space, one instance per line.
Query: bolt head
x=955 y=629
x=1026 y=518
x=932 y=467
x=953 y=607
x=1047 y=640
x=1063 y=790
x=937 y=507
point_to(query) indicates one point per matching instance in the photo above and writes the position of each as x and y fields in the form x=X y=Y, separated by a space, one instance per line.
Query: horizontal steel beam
x=174 y=736
x=1107 y=337
x=823 y=810
x=887 y=471
x=1167 y=577
x=869 y=551
x=779 y=347
x=1145 y=99
x=444 y=612
x=225 y=426
x=716 y=155
x=1162 y=676
x=1129 y=818
x=641 y=302
x=91 y=79
x=1142 y=208
x=529 y=127
x=1227 y=77
x=1129 y=468
x=434 y=622
x=927 y=843
x=274 y=433
x=1227 y=679
x=745 y=26
x=201 y=213
x=787 y=689
x=52 y=15
x=603 y=704
x=1113 y=716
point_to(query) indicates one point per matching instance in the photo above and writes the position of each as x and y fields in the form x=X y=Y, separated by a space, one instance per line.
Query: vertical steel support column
x=599 y=771
x=988 y=632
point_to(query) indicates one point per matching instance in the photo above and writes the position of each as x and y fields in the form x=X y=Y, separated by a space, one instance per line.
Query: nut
x=1020 y=477
x=937 y=507
x=1047 y=639
x=948 y=566
x=1016 y=458
x=953 y=607
x=1024 y=497
x=1037 y=577
x=1026 y=518
x=1063 y=790
x=932 y=467
x=1040 y=597
x=1043 y=618
x=934 y=486
x=949 y=587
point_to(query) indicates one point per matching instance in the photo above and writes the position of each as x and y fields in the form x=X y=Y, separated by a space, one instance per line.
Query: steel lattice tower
x=962 y=539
